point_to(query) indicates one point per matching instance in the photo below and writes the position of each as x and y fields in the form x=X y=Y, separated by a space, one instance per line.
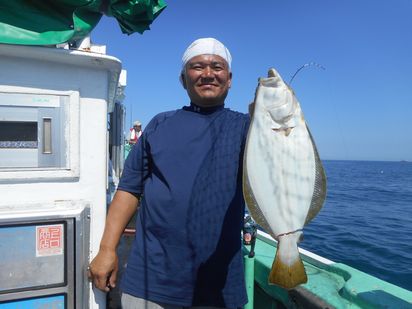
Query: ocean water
x=366 y=221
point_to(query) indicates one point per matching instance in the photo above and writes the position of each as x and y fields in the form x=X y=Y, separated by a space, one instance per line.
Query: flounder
x=284 y=180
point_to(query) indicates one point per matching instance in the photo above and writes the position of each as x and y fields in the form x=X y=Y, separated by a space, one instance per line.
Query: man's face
x=137 y=128
x=207 y=80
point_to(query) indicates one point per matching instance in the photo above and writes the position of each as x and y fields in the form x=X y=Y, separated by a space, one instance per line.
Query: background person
x=135 y=132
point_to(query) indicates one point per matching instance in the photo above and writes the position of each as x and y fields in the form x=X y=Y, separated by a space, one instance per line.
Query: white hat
x=137 y=123
x=206 y=46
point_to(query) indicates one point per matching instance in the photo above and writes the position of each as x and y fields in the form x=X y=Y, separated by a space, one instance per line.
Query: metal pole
x=249 y=239
x=249 y=280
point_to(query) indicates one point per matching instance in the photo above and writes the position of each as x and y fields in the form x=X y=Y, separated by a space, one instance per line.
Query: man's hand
x=103 y=270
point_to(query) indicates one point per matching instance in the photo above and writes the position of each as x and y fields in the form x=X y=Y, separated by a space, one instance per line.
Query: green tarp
x=50 y=22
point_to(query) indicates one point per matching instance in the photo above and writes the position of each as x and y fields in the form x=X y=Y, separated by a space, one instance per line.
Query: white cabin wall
x=92 y=78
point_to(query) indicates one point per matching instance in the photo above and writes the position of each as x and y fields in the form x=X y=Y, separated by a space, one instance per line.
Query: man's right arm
x=103 y=269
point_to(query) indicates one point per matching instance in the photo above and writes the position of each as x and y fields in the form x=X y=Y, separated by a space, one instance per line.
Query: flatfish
x=284 y=182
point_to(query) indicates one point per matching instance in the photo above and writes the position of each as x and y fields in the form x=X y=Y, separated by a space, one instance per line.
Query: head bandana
x=206 y=46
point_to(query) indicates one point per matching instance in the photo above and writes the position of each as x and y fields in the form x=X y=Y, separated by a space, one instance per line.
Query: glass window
x=18 y=134
x=32 y=134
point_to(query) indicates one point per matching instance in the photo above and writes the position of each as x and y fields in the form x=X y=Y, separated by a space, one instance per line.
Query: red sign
x=49 y=240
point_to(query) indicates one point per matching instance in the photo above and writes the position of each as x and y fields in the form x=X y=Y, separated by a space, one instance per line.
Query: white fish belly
x=281 y=172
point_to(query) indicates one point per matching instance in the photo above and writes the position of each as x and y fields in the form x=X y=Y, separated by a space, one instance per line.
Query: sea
x=366 y=221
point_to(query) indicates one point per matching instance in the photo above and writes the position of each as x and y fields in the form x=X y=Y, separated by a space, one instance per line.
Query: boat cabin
x=55 y=107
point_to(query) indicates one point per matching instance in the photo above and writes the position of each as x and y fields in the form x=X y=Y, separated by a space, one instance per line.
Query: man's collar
x=203 y=110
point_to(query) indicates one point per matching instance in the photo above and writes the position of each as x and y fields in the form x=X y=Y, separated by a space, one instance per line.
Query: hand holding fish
x=284 y=180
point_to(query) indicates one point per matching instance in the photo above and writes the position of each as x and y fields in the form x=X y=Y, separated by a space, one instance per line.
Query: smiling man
x=207 y=80
x=186 y=171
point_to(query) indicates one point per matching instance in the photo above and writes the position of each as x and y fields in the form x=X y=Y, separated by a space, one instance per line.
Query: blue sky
x=358 y=108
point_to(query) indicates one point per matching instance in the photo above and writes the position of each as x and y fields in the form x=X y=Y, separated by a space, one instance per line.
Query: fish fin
x=251 y=109
x=287 y=270
x=320 y=187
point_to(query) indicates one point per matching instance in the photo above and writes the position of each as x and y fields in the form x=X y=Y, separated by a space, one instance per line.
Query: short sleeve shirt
x=187 y=166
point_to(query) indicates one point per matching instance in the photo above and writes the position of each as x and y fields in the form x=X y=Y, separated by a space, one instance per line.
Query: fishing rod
x=305 y=66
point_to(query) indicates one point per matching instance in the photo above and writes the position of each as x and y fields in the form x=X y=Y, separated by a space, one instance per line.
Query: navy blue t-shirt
x=188 y=166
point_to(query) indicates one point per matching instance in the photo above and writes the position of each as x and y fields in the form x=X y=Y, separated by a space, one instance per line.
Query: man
x=188 y=164
x=135 y=132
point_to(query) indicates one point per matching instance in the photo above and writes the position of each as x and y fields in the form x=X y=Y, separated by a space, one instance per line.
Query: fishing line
x=317 y=65
x=288 y=233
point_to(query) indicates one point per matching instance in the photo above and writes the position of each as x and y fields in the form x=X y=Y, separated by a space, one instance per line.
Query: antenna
x=305 y=66
x=131 y=114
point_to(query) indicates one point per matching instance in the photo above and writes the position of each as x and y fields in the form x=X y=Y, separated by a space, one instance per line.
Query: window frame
x=69 y=118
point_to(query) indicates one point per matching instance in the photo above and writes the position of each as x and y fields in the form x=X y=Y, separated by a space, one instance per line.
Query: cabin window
x=32 y=131
x=18 y=134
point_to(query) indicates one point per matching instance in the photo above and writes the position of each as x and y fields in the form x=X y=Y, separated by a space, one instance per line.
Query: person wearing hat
x=186 y=176
x=135 y=132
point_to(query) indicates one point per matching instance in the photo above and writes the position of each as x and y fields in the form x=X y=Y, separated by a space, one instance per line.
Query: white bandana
x=206 y=46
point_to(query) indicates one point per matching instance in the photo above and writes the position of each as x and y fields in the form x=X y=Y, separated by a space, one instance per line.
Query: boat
x=58 y=160
x=330 y=284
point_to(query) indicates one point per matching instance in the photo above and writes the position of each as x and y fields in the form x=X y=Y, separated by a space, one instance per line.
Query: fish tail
x=287 y=270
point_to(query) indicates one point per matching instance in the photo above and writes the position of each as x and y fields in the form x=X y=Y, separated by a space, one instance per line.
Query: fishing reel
x=249 y=234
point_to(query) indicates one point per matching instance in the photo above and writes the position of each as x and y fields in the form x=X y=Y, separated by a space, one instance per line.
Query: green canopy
x=50 y=22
